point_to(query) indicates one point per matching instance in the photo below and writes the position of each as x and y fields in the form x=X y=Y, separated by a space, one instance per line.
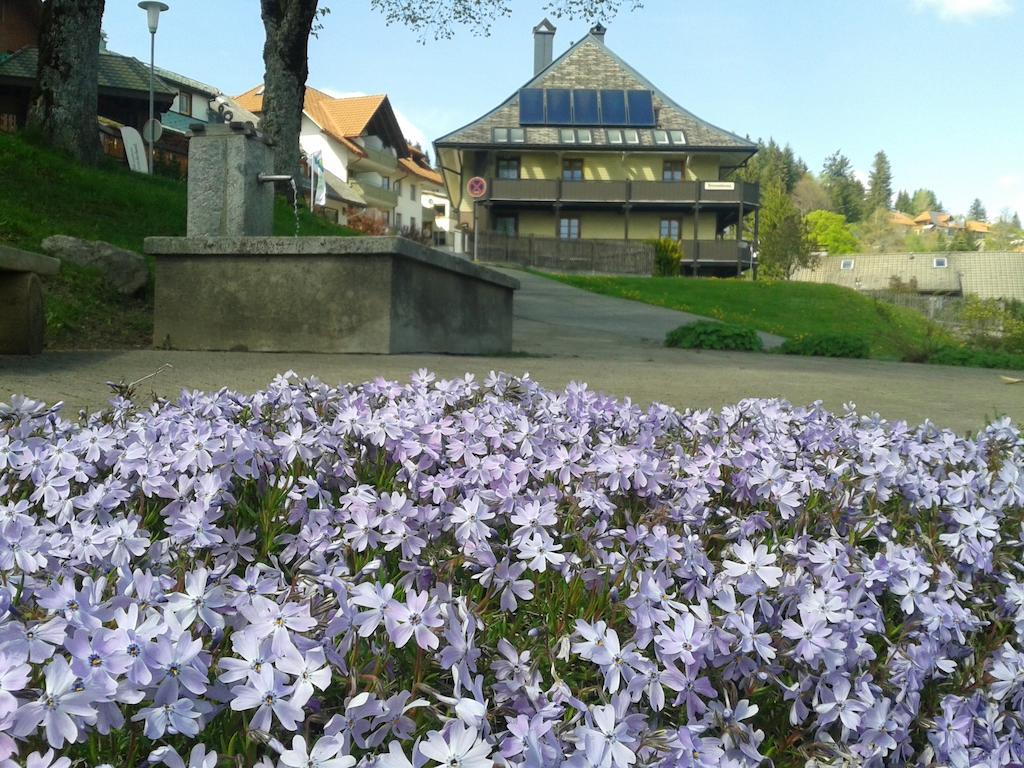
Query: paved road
x=561 y=335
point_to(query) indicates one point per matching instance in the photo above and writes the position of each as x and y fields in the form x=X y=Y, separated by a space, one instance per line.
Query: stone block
x=22 y=321
x=225 y=196
x=326 y=294
x=126 y=271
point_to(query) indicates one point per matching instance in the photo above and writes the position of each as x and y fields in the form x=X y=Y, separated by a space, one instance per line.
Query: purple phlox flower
x=48 y=760
x=255 y=654
x=76 y=606
x=133 y=637
x=460 y=647
x=98 y=653
x=14 y=676
x=753 y=567
x=199 y=600
x=169 y=715
x=36 y=641
x=458 y=747
x=691 y=750
x=811 y=634
x=539 y=550
x=612 y=737
x=268 y=694
x=953 y=733
x=532 y=518
x=617 y=662
x=685 y=641
x=593 y=639
x=829 y=559
x=357 y=722
x=419 y=616
x=392 y=719
x=396 y=758
x=295 y=443
x=324 y=754
x=363 y=532
x=197 y=758
x=690 y=686
x=470 y=520
x=375 y=598
x=176 y=658
x=252 y=585
x=309 y=669
x=837 y=703
x=1008 y=674
x=63 y=698
x=234 y=545
x=22 y=545
x=910 y=586
x=267 y=617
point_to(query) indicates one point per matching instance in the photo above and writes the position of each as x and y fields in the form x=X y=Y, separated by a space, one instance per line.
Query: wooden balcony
x=621 y=192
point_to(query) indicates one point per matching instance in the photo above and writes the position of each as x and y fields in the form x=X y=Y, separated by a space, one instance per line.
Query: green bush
x=710 y=335
x=668 y=255
x=977 y=358
x=827 y=345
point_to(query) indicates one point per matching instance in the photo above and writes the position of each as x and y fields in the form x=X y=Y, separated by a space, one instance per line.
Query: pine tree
x=924 y=200
x=977 y=211
x=903 y=203
x=844 y=189
x=774 y=163
x=1015 y=221
x=879 y=184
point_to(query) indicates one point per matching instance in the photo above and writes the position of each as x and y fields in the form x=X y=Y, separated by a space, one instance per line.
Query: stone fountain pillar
x=226 y=197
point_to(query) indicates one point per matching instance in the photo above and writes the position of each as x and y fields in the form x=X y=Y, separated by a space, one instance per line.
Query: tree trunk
x=288 y=24
x=64 y=105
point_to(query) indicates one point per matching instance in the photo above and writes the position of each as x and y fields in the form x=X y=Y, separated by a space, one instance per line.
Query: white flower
x=462 y=749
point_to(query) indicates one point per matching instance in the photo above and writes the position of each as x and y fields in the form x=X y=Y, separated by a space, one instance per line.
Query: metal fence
x=603 y=257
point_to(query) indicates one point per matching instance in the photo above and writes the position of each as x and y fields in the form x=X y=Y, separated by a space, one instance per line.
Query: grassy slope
x=787 y=309
x=43 y=194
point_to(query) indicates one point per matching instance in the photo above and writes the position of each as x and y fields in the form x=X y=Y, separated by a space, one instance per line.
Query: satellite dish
x=152 y=131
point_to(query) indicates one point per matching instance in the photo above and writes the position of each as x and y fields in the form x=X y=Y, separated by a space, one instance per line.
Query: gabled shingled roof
x=114 y=73
x=591 y=64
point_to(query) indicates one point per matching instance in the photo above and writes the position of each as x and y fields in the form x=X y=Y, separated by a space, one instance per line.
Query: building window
x=501 y=135
x=631 y=135
x=412 y=191
x=677 y=137
x=517 y=135
x=569 y=228
x=184 y=103
x=398 y=220
x=584 y=136
x=412 y=223
x=940 y=262
x=670 y=229
x=661 y=137
x=508 y=167
x=397 y=187
x=507 y=224
x=672 y=170
x=572 y=170
x=846 y=264
x=567 y=136
x=615 y=136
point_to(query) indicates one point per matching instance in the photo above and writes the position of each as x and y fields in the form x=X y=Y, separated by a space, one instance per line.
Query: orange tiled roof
x=900 y=218
x=343 y=119
x=424 y=173
x=981 y=227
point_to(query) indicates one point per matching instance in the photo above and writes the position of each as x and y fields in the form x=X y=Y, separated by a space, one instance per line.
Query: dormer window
x=661 y=137
x=584 y=136
x=500 y=135
x=677 y=137
x=517 y=135
x=615 y=136
x=631 y=135
x=567 y=136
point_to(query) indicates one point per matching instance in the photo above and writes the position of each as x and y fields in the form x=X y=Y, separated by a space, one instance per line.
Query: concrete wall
x=335 y=294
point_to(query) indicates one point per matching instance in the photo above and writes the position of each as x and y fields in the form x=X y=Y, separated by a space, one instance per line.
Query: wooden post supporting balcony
x=696 y=237
x=739 y=237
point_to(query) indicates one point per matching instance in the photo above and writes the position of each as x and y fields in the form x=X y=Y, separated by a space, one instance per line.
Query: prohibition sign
x=477 y=187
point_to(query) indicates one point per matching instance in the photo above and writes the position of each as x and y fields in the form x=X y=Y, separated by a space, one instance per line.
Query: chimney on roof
x=543 y=45
x=598 y=31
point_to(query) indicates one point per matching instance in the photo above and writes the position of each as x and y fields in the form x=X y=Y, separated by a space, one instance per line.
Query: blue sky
x=935 y=83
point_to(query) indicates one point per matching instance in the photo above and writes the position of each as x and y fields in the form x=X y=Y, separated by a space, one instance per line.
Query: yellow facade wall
x=610 y=225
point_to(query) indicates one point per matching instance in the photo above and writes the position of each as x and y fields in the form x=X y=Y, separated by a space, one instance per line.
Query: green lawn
x=783 y=308
x=42 y=193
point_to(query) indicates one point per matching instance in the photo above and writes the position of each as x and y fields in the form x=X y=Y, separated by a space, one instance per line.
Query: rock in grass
x=127 y=271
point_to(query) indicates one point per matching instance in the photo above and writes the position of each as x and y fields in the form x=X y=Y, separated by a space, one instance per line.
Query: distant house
x=987 y=275
x=362 y=147
x=123 y=88
x=194 y=102
x=419 y=179
x=588 y=148
x=19 y=24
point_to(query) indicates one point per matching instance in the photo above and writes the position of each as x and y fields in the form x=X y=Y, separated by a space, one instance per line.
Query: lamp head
x=153 y=9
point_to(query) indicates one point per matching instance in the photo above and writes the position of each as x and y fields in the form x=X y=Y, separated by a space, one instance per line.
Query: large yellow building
x=590 y=149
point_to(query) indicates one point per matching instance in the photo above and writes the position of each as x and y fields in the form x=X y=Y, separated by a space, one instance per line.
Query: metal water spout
x=273 y=178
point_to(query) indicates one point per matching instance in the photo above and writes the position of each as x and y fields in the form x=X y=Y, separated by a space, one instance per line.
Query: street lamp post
x=153 y=9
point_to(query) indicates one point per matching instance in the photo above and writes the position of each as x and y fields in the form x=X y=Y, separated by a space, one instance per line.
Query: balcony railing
x=376 y=159
x=680 y=192
x=376 y=197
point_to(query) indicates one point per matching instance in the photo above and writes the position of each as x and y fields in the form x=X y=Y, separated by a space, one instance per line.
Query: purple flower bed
x=467 y=574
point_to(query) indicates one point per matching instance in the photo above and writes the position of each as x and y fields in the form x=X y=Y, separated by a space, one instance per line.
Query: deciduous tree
x=828 y=231
x=64 y=104
x=924 y=200
x=809 y=195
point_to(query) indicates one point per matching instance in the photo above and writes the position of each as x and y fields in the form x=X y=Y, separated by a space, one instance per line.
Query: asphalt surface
x=561 y=335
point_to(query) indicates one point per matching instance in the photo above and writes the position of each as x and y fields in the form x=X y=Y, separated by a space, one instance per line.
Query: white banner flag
x=320 y=186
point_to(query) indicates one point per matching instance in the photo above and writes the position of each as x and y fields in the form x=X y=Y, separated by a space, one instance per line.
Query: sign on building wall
x=720 y=186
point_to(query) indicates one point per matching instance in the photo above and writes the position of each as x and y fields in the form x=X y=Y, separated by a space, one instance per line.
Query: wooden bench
x=22 y=317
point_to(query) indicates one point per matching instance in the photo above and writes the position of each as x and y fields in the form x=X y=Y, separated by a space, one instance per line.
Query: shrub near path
x=785 y=308
x=453 y=573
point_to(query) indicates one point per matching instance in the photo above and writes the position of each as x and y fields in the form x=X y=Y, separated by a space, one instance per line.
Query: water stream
x=295 y=203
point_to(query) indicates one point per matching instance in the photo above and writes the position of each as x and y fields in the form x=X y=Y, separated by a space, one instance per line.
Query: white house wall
x=336 y=157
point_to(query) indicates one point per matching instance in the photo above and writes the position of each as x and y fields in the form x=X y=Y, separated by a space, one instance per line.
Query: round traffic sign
x=152 y=131
x=477 y=187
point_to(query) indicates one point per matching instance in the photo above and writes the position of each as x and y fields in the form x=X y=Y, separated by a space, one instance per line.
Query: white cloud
x=412 y=133
x=952 y=10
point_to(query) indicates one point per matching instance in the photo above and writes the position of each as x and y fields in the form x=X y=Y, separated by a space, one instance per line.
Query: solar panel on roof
x=613 y=108
x=584 y=108
x=641 y=108
x=559 y=106
x=531 y=106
